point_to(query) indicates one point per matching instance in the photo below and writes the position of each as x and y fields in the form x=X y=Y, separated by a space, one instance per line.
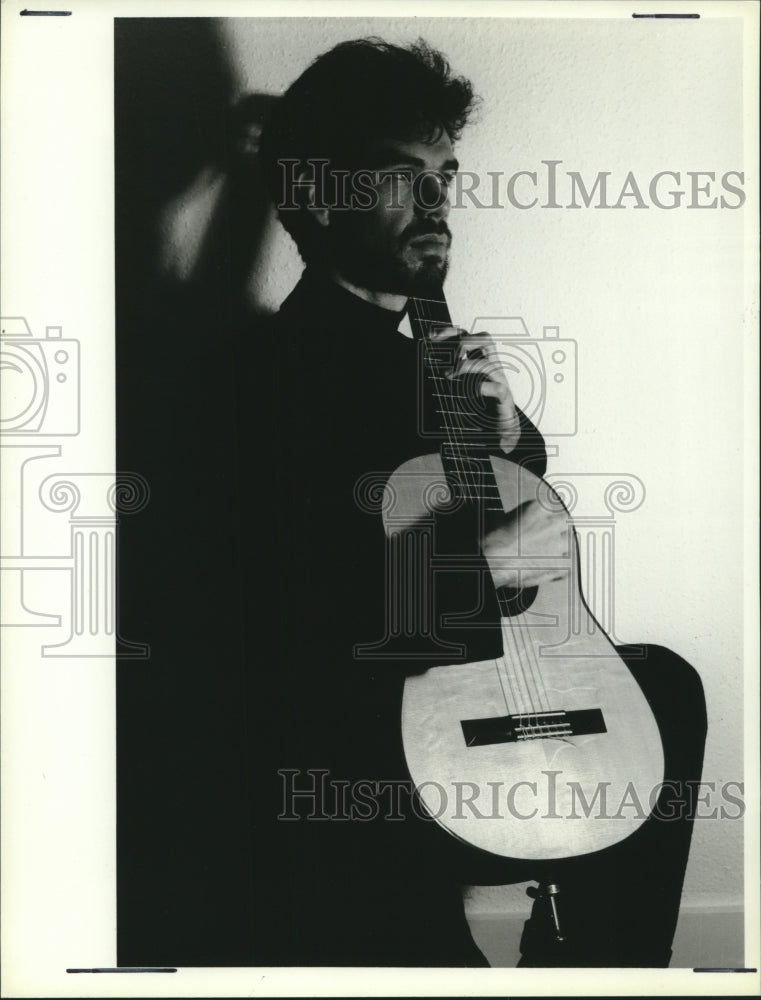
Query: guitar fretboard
x=459 y=407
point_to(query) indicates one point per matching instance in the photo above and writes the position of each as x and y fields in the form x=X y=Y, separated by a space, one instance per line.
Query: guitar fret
x=457 y=413
x=477 y=496
x=483 y=459
x=452 y=447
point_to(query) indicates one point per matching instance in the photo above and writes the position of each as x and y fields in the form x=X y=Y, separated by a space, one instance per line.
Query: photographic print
x=378 y=442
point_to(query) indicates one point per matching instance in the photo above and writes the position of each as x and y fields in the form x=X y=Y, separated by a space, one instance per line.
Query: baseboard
x=705 y=937
x=709 y=937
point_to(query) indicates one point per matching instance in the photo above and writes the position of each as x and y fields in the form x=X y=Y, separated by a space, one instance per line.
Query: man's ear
x=308 y=192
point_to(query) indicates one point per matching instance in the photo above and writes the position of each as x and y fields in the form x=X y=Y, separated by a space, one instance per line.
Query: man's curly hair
x=348 y=99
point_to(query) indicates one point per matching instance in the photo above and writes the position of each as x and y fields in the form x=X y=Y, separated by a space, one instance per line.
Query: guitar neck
x=459 y=405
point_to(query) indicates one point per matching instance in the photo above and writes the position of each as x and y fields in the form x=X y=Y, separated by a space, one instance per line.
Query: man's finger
x=477 y=345
x=479 y=366
x=495 y=390
x=446 y=333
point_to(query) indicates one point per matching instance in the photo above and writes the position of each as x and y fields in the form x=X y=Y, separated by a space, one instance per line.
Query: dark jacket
x=329 y=401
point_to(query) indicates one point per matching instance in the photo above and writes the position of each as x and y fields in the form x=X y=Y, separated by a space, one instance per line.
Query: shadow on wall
x=191 y=217
x=191 y=204
x=212 y=232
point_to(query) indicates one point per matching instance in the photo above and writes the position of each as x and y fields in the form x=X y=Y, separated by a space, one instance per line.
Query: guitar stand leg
x=550 y=891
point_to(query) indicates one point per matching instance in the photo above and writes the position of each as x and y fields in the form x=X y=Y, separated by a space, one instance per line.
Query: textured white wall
x=653 y=298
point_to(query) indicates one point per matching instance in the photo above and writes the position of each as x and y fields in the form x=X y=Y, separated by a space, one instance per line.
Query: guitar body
x=551 y=751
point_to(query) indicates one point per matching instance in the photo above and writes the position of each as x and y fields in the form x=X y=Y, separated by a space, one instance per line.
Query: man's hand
x=529 y=531
x=476 y=358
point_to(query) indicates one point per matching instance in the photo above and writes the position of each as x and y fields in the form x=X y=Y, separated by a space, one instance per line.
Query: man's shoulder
x=291 y=316
x=263 y=329
x=267 y=343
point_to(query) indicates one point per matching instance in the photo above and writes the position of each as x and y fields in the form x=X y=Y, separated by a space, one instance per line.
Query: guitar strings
x=476 y=490
x=530 y=689
x=451 y=420
x=454 y=426
x=464 y=464
x=445 y=395
x=450 y=410
x=450 y=415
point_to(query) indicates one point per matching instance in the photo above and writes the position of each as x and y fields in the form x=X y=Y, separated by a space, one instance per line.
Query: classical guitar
x=550 y=751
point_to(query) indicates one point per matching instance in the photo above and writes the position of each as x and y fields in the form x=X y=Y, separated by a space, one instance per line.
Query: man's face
x=401 y=245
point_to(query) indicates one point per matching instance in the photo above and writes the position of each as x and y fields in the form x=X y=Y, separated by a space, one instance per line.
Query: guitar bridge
x=532 y=726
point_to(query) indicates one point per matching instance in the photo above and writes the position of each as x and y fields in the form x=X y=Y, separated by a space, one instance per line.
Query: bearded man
x=360 y=155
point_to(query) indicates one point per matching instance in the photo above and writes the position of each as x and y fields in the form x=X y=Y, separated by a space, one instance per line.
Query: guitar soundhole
x=515 y=600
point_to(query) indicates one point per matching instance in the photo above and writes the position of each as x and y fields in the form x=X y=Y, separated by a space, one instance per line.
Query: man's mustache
x=431 y=228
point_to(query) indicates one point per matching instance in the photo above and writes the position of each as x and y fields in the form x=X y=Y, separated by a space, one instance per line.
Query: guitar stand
x=549 y=891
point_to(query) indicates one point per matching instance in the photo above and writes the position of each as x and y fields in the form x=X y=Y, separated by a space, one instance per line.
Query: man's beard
x=400 y=271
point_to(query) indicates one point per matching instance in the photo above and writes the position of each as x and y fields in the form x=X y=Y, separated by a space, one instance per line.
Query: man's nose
x=430 y=193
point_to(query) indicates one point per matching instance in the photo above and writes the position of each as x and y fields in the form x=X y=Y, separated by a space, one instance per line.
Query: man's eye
x=400 y=175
